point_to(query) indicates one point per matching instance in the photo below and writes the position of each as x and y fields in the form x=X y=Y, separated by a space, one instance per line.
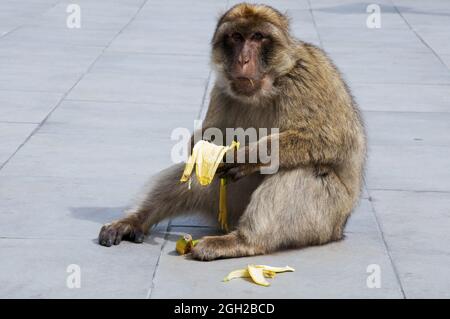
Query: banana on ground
x=258 y=273
x=185 y=244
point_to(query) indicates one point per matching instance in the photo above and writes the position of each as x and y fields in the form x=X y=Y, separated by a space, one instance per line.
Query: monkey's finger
x=111 y=235
x=135 y=235
x=223 y=167
x=118 y=238
x=108 y=234
x=235 y=173
x=106 y=240
x=102 y=237
x=224 y=172
x=239 y=172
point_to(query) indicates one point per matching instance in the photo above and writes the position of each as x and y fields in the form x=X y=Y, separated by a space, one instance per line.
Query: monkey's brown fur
x=322 y=149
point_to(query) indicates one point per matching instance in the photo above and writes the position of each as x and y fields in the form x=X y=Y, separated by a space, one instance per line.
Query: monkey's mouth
x=245 y=86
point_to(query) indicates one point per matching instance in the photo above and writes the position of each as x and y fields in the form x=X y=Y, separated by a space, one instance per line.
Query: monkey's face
x=252 y=47
x=242 y=55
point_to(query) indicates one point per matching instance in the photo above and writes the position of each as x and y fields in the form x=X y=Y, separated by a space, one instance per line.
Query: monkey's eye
x=258 y=36
x=236 y=36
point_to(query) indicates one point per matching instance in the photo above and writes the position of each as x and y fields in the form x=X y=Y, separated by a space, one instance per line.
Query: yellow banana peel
x=258 y=273
x=276 y=269
x=206 y=158
x=239 y=273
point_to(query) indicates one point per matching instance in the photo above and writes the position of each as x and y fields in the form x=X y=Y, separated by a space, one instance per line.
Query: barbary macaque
x=267 y=79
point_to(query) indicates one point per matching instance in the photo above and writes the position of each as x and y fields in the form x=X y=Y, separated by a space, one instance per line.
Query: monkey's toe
x=205 y=250
x=108 y=236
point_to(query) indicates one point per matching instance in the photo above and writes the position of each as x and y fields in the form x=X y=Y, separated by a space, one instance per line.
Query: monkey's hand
x=236 y=171
x=113 y=233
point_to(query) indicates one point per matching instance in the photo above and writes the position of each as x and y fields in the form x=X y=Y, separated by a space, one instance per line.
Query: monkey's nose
x=243 y=60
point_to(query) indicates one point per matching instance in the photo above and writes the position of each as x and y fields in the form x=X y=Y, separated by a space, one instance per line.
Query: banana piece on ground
x=258 y=273
x=185 y=244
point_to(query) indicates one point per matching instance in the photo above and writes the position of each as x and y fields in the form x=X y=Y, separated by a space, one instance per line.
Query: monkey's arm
x=288 y=149
x=296 y=148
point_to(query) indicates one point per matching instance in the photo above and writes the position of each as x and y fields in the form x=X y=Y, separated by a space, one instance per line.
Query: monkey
x=266 y=78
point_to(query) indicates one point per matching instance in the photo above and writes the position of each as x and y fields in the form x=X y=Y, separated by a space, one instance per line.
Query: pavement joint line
x=400 y=83
x=31 y=91
x=71 y=88
x=205 y=93
x=311 y=11
x=163 y=245
x=385 y=244
x=127 y=102
x=407 y=190
x=18 y=122
x=419 y=37
x=43 y=238
x=159 y=53
x=191 y=226
x=395 y=83
x=403 y=112
x=35 y=130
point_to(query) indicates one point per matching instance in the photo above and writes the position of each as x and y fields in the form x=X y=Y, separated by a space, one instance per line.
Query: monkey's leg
x=166 y=198
x=292 y=208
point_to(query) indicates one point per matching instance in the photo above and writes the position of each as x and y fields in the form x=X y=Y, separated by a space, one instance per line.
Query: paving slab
x=435 y=37
x=389 y=68
x=75 y=36
x=402 y=97
x=145 y=64
x=46 y=79
x=415 y=226
x=39 y=268
x=364 y=40
x=64 y=208
x=139 y=89
x=15 y=55
x=20 y=106
x=408 y=167
x=428 y=129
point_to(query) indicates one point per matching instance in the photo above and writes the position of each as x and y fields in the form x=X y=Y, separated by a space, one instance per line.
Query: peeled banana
x=258 y=273
x=206 y=157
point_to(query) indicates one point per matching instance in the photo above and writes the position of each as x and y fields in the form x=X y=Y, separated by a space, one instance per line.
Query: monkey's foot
x=113 y=233
x=226 y=246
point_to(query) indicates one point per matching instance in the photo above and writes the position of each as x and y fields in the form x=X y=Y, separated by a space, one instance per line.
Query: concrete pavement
x=86 y=116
